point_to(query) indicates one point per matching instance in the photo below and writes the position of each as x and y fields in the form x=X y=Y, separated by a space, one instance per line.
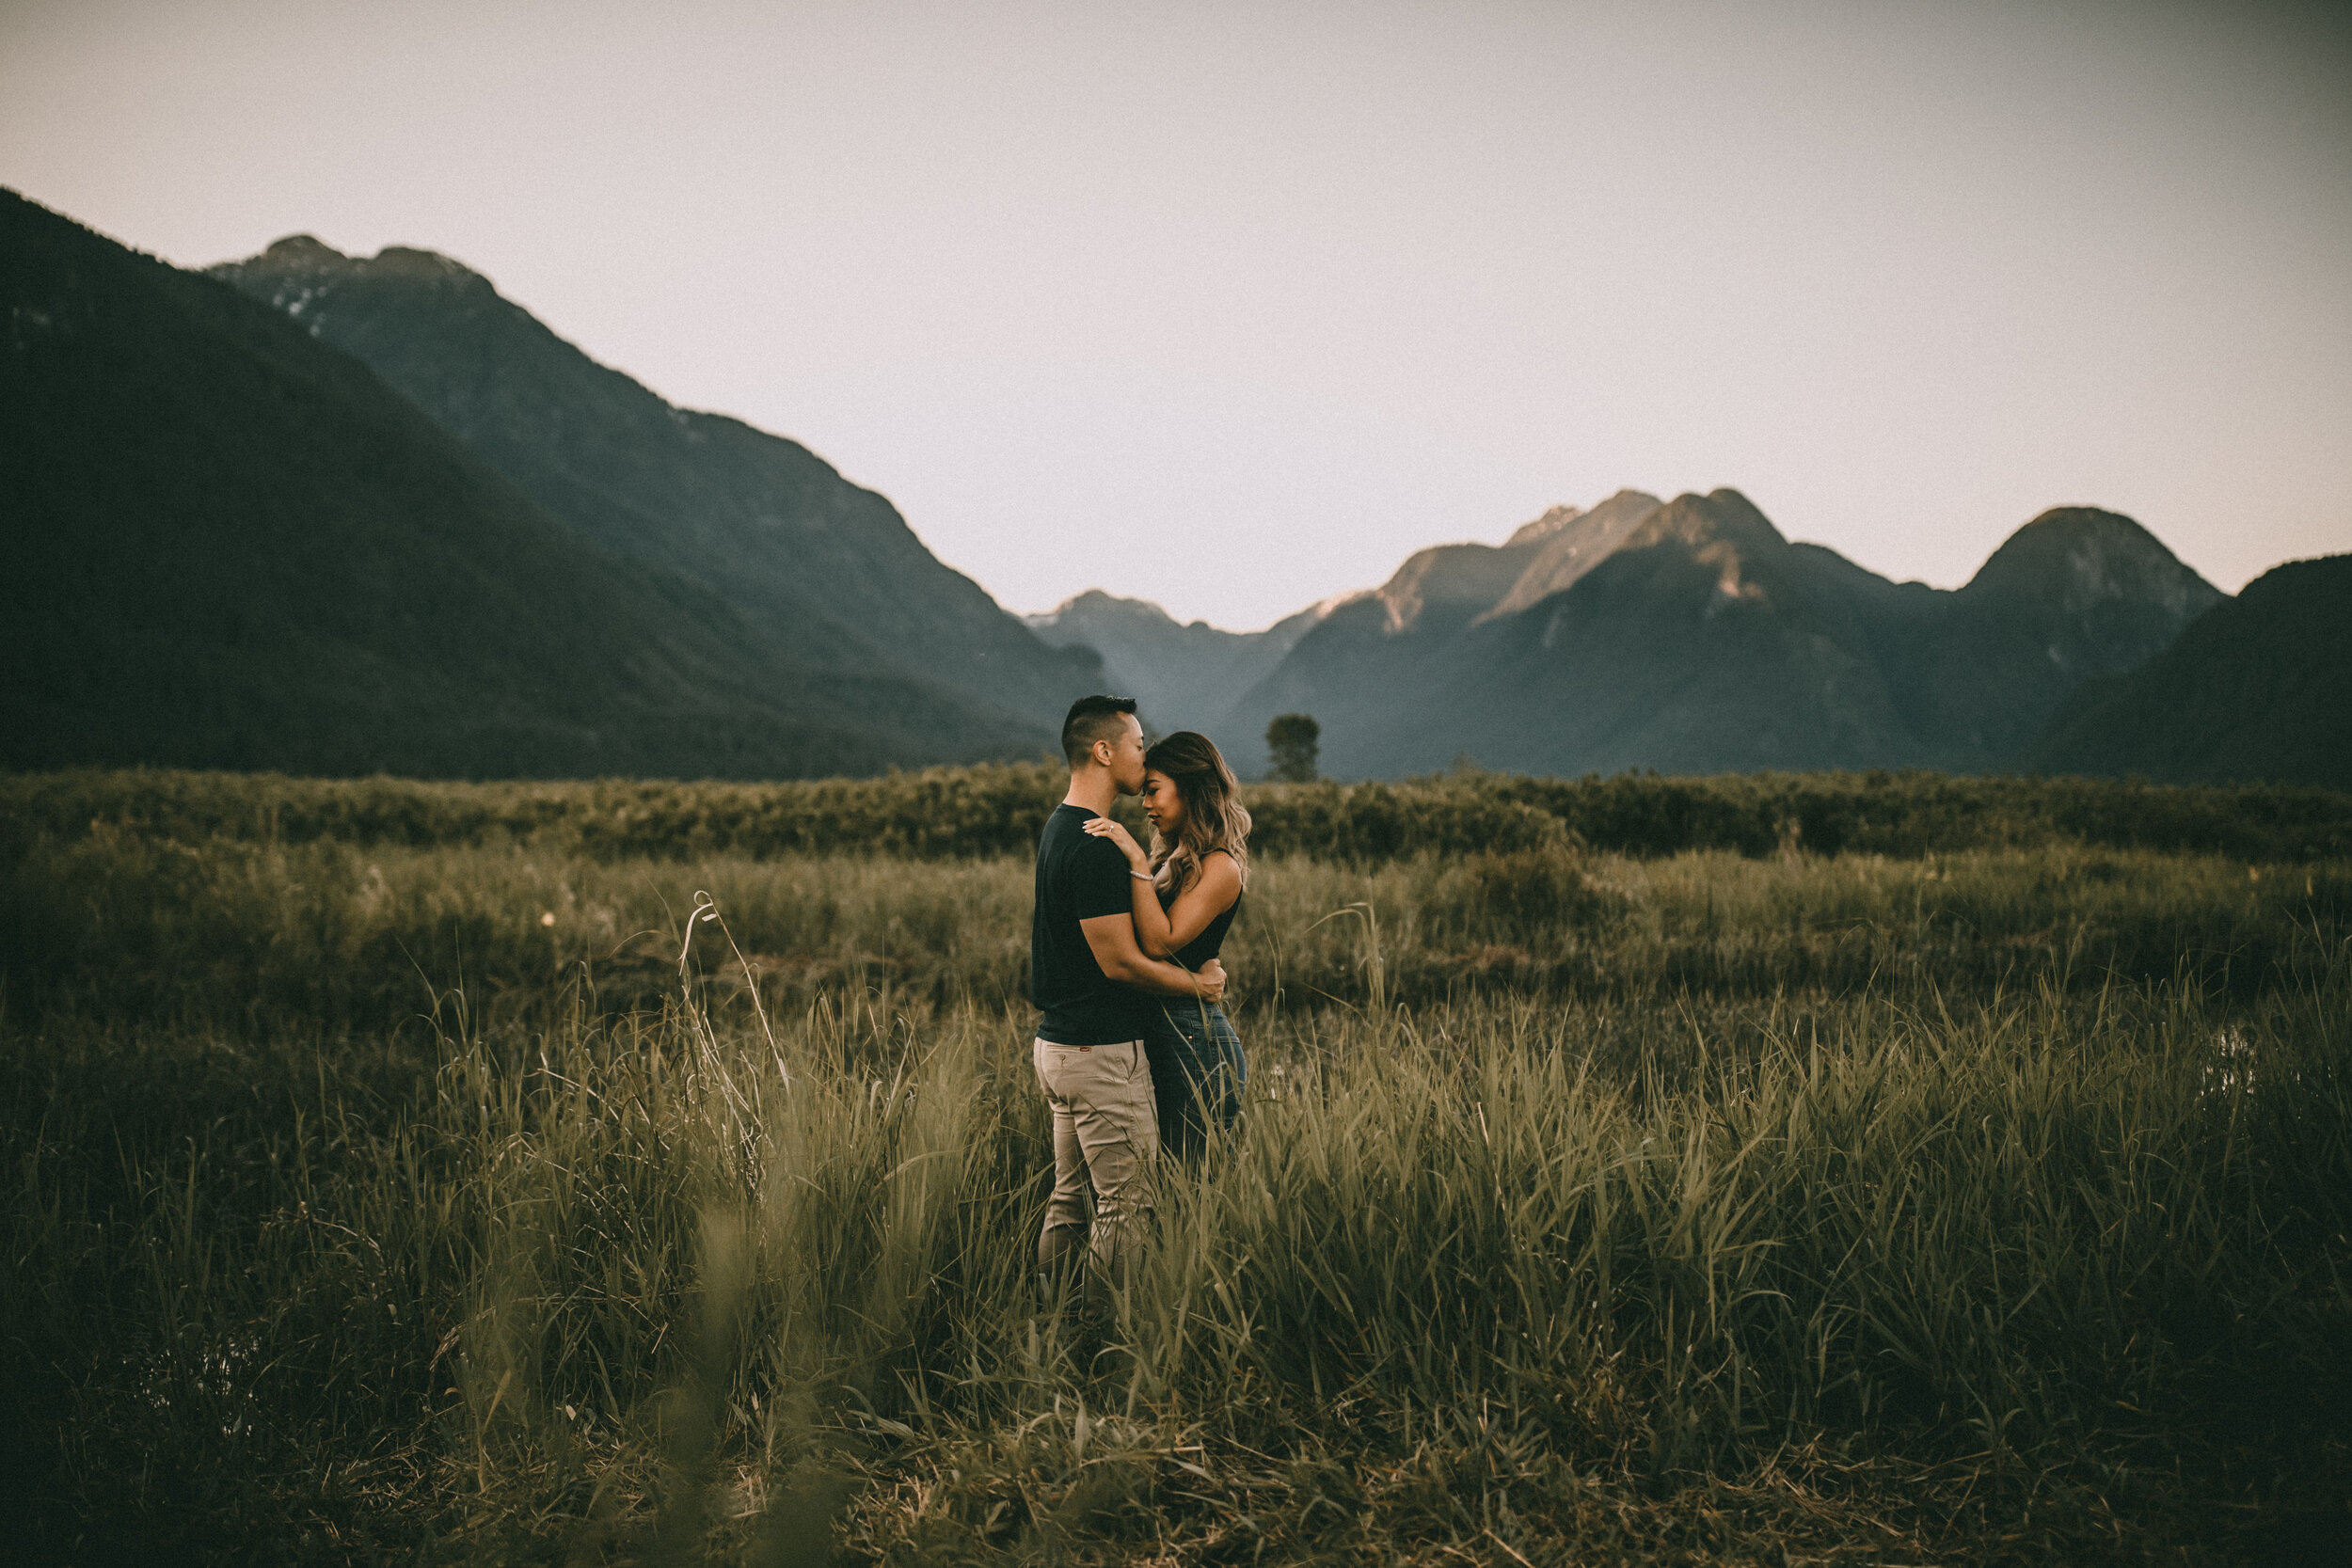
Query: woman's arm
x=1211 y=894
x=1152 y=923
x=1162 y=932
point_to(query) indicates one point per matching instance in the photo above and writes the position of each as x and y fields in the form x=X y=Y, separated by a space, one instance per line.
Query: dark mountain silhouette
x=2074 y=595
x=1183 y=675
x=354 y=514
x=2258 y=687
x=829 y=568
x=230 y=545
x=1691 y=637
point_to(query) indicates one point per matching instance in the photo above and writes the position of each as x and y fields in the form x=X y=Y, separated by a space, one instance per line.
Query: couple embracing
x=1135 y=1054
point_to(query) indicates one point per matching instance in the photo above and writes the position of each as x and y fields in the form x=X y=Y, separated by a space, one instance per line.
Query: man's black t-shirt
x=1079 y=877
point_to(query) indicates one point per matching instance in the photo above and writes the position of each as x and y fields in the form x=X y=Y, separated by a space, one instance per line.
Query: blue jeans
x=1198 y=1073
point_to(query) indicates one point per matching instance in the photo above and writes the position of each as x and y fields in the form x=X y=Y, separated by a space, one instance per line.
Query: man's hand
x=1212 y=979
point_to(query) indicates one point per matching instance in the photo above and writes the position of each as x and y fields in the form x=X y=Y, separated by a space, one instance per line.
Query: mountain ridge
x=375 y=515
x=231 y=545
x=1704 y=641
x=1174 y=670
x=1693 y=635
x=829 y=566
x=2254 y=688
x=1572 y=547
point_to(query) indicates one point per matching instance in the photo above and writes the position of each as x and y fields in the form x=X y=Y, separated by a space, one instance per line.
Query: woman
x=1187 y=890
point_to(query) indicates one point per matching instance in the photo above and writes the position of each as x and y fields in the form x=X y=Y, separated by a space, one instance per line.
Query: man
x=1094 y=985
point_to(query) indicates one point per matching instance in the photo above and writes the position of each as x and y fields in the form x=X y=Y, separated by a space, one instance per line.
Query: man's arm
x=1112 y=937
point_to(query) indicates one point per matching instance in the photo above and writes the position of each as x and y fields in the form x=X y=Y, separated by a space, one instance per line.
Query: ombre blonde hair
x=1214 y=818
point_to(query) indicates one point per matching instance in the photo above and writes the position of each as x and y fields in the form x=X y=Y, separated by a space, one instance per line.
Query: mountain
x=1183 y=675
x=2076 y=594
x=1644 y=660
x=225 y=544
x=1369 y=648
x=829 y=568
x=333 y=515
x=2258 y=687
x=1691 y=636
x=1569 y=544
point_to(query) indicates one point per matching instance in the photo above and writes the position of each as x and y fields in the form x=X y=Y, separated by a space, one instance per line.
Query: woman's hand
x=1102 y=827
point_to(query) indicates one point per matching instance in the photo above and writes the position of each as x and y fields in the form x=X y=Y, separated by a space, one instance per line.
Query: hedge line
x=998 y=808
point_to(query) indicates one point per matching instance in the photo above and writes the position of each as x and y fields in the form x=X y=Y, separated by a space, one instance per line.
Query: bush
x=997 y=809
x=1525 y=897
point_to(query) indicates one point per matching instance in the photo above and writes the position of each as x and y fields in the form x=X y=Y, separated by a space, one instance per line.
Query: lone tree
x=1290 y=741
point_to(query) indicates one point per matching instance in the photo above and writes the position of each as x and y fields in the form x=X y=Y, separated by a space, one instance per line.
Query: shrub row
x=997 y=809
x=1912 y=814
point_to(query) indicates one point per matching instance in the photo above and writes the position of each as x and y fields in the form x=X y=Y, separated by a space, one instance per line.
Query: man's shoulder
x=1079 y=859
x=1066 y=840
x=1068 y=825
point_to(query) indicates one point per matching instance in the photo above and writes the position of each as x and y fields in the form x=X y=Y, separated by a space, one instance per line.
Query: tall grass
x=1588 y=1208
x=591 y=1275
x=344 y=936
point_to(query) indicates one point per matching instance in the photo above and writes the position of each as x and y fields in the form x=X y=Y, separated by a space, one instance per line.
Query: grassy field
x=399 y=1196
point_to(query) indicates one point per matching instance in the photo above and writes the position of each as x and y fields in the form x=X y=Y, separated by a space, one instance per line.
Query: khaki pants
x=1106 y=1135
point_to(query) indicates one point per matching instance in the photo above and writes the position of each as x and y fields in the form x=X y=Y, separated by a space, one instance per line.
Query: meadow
x=1824 y=1169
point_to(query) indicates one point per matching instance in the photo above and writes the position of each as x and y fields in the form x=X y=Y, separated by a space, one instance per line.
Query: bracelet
x=1141 y=876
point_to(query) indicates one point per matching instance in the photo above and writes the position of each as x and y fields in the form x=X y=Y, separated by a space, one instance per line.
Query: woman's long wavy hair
x=1215 y=817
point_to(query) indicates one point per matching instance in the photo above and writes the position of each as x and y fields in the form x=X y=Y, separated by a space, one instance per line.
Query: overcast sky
x=1235 y=307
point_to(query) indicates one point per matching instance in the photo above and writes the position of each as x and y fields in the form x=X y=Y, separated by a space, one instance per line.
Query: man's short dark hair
x=1092 y=718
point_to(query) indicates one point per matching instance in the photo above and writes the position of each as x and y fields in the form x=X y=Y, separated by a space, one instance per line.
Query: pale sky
x=1233 y=307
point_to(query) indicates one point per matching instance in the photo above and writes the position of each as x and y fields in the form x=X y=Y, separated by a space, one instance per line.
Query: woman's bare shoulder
x=1220 y=872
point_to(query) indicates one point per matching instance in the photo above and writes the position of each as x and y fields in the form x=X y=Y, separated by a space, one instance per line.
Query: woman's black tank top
x=1200 y=949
